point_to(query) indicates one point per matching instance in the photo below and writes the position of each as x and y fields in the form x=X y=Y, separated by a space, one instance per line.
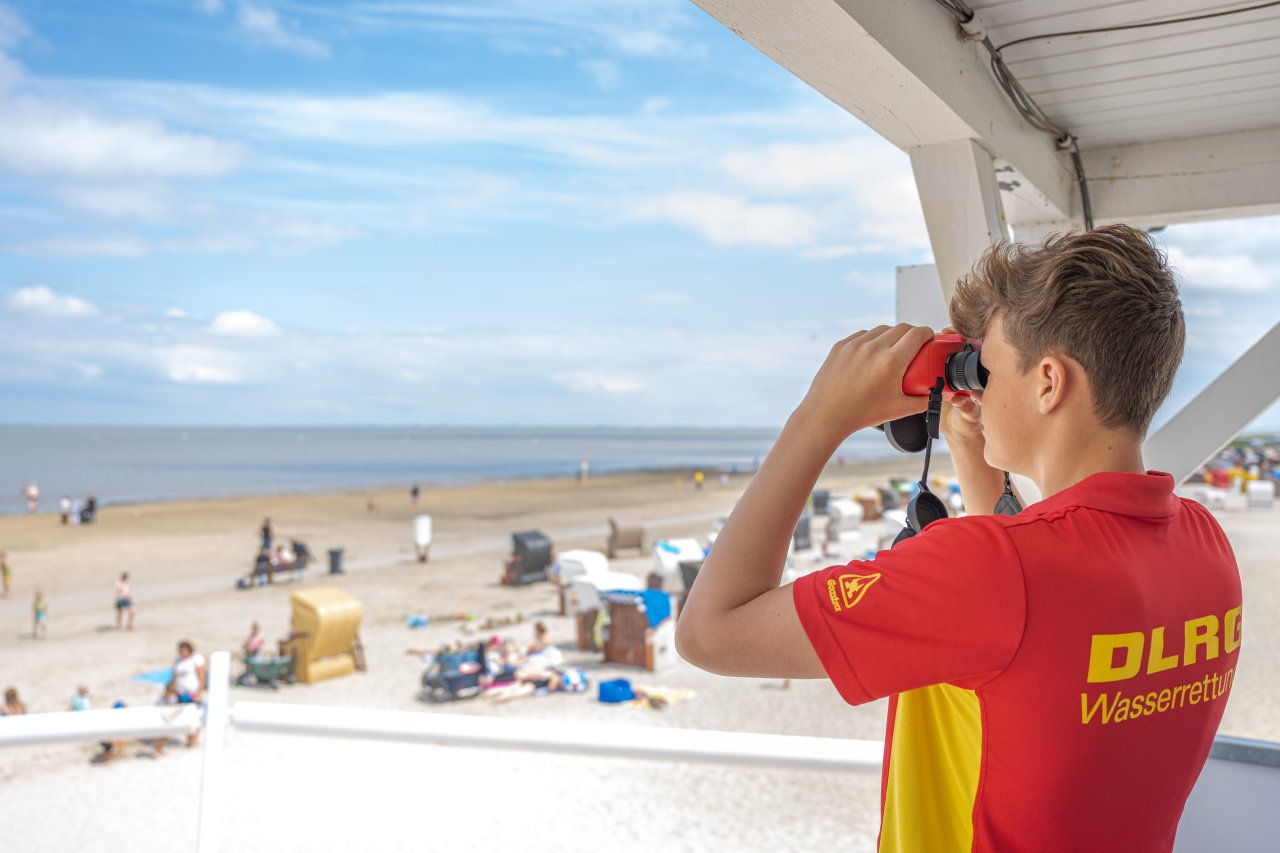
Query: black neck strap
x=1008 y=502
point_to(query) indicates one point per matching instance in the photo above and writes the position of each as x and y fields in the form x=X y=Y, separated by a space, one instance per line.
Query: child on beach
x=40 y=616
x=13 y=706
x=6 y=574
x=1015 y=646
x=124 y=601
x=80 y=699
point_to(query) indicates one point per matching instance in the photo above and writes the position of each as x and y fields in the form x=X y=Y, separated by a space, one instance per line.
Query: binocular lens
x=965 y=371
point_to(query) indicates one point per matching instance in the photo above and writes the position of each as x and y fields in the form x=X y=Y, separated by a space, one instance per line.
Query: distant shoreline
x=381 y=491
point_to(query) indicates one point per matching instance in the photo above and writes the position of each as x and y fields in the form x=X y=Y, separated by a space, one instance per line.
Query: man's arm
x=980 y=484
x=737 y=621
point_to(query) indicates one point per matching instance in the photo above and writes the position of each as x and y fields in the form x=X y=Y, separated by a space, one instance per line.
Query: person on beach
x=124 y=601
x=252 y=645
x=186 y=685
x=80 y=699
x=266 y=535
x=65 y=509
x=13 y=706
x=32 y=493
x=39 y=616
x=1056 y=675
x=6 y=574
x=414 y=493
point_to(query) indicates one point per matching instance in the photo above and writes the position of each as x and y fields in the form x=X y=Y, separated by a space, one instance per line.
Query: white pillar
x=212 y=784
x=1219 y=412
x=960 y=197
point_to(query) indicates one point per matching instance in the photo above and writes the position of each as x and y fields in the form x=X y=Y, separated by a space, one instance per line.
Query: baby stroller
x=455 y=674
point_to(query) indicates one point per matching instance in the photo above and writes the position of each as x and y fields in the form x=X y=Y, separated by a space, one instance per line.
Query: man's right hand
x=961 y=423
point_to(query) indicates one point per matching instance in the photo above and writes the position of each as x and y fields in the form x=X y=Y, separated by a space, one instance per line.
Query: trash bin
x=335 y=561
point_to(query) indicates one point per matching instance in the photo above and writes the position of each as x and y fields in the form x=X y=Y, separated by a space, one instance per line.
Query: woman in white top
x=188 y=681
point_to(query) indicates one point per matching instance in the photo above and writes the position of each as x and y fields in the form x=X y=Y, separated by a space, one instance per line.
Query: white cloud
x=263 y=25
x=146 y=203
x=199 y=365
x=243 y=324
x=729 y=220
x=651 y=28
x=88 y=371
x=210 y=7
x=40 y=299
x=588 y=381
x=42 y=138
x=605 y=72
x=176 y=314
x=13 y=28
x=1236 y=273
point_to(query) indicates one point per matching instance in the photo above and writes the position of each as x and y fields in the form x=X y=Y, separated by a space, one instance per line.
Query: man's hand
x=860 y=384
x=961 y=423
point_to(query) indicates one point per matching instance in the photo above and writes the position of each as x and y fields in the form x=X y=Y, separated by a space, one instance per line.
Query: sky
x=582 y=212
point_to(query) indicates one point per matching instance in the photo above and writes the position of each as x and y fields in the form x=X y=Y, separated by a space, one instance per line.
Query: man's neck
x=1072 y=460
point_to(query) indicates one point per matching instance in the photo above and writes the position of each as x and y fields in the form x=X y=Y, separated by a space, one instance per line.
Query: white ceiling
x=1215 y=76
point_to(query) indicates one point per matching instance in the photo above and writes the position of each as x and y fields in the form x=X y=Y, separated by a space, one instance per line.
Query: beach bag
x=617 y=690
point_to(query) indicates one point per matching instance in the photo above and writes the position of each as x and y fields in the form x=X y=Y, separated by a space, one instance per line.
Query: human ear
x=1051 y=383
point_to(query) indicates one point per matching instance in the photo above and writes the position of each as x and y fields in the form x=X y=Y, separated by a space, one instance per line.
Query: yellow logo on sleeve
x=849 y=590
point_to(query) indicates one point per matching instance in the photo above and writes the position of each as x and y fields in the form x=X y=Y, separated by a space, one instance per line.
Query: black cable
x=1085 y=207
x=1029 y=109
x=1118 y=28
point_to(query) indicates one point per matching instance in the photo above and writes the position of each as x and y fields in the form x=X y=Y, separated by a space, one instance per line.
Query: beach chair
x=531 y=558
x=325 y=637
x=641 y=629
x=801 y=537
x=575 y=564
x=625 y=533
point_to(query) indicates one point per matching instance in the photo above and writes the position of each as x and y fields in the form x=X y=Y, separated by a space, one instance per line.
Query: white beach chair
x=668 y=554
x=1261 y=494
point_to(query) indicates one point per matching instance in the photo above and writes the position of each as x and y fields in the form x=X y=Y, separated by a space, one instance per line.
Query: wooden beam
x=1218 y=413
x=1227 y=176
x=962 y=207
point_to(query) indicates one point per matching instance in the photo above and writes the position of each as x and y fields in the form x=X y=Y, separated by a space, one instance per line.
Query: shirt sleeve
x=947 y=605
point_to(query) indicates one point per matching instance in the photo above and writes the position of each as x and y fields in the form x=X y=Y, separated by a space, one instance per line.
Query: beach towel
x=156 y=676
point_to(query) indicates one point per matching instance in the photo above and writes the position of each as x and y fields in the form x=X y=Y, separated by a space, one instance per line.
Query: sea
x=119 y=465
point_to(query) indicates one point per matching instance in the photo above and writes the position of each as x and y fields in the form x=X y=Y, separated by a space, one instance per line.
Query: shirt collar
x=1148 y=495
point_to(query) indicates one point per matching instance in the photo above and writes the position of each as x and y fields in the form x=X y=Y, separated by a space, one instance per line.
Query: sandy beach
x=306 y=794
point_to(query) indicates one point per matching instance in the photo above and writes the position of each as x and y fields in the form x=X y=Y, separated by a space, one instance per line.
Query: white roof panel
x=1213 y=76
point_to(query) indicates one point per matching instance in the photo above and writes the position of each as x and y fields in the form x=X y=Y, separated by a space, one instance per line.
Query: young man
x=1057 y=676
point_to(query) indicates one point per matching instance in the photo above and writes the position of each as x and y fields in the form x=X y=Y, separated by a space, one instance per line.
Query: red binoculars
x=948 y=357
x=947 y=366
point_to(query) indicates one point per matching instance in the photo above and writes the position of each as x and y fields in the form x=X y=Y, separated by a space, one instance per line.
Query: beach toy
x=418 y=621
x=616 y=690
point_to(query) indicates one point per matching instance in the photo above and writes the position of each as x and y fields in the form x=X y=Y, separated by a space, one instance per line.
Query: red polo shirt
x=1057 y=676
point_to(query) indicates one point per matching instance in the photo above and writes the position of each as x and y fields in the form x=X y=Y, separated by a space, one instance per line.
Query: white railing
x=792 y=752
x=1231 y=802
